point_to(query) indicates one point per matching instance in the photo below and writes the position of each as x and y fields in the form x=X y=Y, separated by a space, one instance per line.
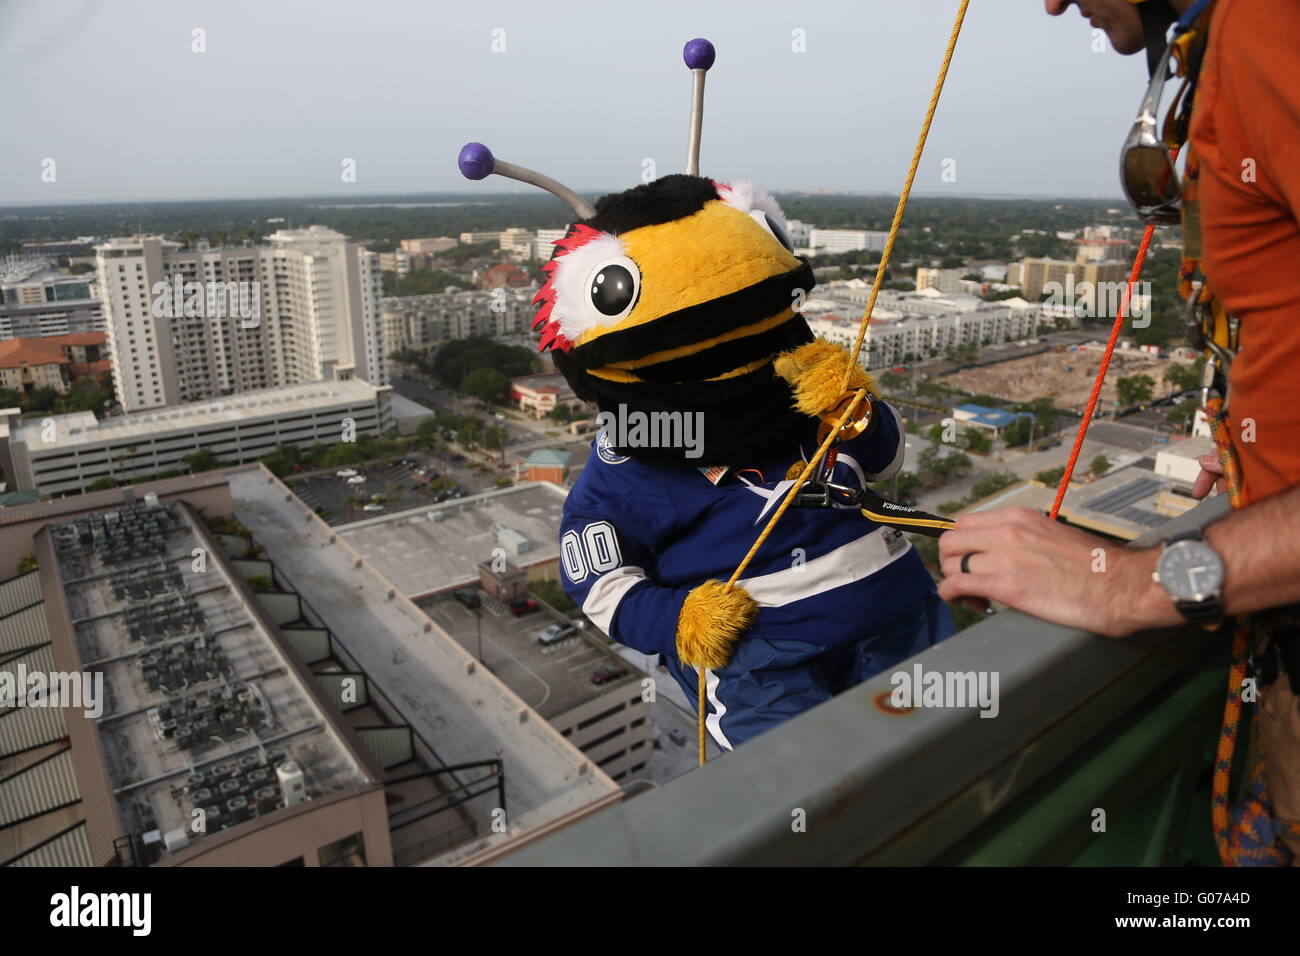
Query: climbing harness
x=827 y=494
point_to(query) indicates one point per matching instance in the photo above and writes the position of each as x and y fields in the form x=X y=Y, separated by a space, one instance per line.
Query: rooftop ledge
x=1084 y=722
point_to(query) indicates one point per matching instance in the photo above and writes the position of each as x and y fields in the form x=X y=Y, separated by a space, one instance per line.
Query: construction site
x=1069 y=372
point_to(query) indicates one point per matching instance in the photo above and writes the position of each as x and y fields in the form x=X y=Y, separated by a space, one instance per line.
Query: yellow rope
x=701 y=679
x=907 y=191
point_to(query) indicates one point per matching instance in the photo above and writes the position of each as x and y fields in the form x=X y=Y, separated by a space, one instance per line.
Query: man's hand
x=1211 y=476
x=1025 y=560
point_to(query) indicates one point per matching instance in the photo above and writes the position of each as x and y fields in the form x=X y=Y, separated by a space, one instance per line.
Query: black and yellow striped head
x=677 y=295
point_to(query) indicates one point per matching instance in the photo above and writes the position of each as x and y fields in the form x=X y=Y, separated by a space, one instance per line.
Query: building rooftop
x=197 y=691
x=551 y=680
x=438 y=547
x=80 y=428
x=133 y=243
x=460 y=708
x=542 y=382
x=1126 y=503
x=992 y=417
x=15 y=353
x=549 y=456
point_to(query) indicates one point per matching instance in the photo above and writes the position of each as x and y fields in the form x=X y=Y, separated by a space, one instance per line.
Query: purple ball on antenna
x=475 y=161
x=699 y=54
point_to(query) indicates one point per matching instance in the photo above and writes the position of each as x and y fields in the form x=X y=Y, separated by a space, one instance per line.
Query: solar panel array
x=1120 y=502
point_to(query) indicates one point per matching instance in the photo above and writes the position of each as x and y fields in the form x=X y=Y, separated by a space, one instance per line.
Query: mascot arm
x=603 y=568
x=880 y=452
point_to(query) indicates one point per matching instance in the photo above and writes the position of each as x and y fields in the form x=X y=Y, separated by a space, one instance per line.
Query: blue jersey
x=637 y=537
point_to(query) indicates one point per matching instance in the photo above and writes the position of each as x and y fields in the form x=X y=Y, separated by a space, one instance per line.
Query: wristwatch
x=1192 y=573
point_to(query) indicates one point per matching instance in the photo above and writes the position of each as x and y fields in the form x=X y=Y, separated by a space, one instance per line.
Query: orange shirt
x=1246 y=121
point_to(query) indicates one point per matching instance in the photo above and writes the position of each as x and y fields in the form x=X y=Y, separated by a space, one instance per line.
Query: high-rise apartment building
x=195 y=324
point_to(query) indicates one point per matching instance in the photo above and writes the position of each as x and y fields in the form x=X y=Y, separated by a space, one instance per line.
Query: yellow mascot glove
x=712 y=619
x=816 y=373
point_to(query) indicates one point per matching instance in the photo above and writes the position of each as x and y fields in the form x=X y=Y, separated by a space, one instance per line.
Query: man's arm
x=1050 y=570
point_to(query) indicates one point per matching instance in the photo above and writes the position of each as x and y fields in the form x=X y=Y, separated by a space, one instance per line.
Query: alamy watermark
x=76 y=689
x=921 y=688
x=175 y=298
x=637 y=429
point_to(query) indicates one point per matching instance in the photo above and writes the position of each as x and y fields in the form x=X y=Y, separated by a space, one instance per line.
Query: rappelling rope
x=907 y=191
x=701 y=675
x=1120 y=315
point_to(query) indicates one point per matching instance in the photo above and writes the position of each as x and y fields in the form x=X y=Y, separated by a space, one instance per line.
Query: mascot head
x=676 y=296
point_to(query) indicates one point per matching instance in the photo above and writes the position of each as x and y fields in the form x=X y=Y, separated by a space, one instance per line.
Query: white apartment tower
x=302 y=308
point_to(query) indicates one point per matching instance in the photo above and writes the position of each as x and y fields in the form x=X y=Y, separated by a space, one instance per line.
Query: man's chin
x=1127 y=42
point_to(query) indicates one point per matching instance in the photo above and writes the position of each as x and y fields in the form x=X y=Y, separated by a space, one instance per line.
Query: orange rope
x=1120 y=315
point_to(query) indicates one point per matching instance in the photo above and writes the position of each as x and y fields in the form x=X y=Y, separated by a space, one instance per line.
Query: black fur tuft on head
x=664 y=200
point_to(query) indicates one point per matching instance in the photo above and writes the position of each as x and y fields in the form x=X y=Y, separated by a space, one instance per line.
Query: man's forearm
x=1261 y=547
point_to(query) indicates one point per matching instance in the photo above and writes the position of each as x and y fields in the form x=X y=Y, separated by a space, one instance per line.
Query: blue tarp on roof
x=990 y=417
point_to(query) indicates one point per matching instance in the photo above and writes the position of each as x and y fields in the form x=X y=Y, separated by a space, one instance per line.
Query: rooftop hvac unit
x=176 y=839
x=293 y=788
x=513 y=541
x=266 y=797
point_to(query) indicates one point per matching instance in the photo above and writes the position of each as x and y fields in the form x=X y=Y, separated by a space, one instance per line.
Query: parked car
x=372 y=507
x=468 y=597
x=556 y=633
x=607 y=674
x=523 y=606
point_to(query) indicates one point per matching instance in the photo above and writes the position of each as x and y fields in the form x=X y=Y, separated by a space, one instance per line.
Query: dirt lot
x=1065 y=377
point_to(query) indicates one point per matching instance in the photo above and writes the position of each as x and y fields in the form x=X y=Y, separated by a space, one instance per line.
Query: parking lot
x=552 y=680
x=399 y=484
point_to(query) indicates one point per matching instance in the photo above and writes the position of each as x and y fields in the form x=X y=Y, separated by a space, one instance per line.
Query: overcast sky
x=113 y=92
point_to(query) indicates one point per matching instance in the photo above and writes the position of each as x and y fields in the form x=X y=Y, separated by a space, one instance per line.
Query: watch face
x=1190 y=571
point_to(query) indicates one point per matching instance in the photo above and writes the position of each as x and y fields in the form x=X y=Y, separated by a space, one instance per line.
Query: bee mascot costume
x=674 y=307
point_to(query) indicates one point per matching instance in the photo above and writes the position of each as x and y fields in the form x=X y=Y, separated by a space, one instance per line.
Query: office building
x=66 y=454
x=946 y=281
x=830 y=241
x=427 y=246
x=37 y=300
x=1033 y=276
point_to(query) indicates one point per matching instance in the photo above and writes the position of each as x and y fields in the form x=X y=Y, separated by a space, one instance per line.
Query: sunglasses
x=1146 y=165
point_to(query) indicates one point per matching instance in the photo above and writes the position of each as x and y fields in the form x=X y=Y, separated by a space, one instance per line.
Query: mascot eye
x=772 y=226
x=614 y=286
